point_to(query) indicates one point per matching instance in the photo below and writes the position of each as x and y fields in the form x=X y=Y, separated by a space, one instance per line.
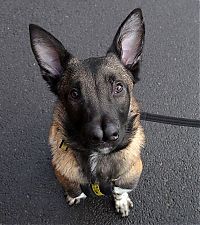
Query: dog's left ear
x=50 y=55
x=129 y=39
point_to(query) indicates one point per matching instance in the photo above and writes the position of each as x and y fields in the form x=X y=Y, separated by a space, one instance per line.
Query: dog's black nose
x=96 y=134
x=107 y=133
x=111 y=132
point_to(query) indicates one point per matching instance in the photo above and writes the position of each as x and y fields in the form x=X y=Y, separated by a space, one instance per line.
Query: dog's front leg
x=125 y=184
x=73 y=192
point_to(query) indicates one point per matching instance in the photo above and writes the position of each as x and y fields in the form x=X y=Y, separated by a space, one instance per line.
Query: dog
x=96 y=136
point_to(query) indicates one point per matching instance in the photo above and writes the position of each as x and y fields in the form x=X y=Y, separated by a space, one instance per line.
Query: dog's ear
x=49 y=53
x=129 y=39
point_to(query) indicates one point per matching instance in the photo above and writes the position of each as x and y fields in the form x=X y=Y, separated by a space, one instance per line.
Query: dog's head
x=96 y=93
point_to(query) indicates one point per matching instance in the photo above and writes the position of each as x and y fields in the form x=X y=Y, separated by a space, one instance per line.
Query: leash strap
x=170 y=120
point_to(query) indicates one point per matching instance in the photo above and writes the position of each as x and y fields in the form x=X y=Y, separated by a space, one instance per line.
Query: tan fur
x=70 y=185
x=64 y=161
x=132 y=175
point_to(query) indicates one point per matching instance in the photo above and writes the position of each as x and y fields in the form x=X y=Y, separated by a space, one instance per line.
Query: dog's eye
x=118 y=88
x=75 y=94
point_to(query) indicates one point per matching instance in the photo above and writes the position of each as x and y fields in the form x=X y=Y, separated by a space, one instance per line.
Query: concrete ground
x=168 y=192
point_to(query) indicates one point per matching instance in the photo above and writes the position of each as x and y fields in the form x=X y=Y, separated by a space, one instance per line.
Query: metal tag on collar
x=96 y=189
x=63 y=145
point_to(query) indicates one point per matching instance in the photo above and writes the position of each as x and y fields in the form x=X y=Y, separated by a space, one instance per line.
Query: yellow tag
x=64 y=146
x=96 y=189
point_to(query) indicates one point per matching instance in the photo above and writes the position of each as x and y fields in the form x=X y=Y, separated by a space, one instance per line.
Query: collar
x=97 y=189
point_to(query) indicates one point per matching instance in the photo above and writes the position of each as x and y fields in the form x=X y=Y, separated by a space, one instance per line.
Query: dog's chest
x=102 y=168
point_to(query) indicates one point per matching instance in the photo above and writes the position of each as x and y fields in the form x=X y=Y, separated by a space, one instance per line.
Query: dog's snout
x=111 y=132
x=98 y=133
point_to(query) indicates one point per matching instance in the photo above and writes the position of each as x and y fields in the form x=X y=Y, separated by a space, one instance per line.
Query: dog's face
x=96 y=93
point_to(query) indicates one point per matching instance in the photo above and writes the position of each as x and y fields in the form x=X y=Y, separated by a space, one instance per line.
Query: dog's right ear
x=49 y=53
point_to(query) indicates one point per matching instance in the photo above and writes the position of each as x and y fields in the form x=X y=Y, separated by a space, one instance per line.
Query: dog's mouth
x=102 y=147
x=112 y=149
x=105 y=150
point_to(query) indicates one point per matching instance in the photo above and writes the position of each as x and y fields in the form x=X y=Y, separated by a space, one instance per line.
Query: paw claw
x=77 y=201
x=130 y=203
x=117 y=209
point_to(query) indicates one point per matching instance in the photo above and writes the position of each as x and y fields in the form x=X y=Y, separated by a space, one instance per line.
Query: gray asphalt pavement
x=168 y=192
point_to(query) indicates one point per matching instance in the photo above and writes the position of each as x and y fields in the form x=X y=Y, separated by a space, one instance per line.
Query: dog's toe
x=70 y=200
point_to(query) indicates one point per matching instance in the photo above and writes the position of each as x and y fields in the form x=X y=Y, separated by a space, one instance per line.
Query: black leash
x=170 y=120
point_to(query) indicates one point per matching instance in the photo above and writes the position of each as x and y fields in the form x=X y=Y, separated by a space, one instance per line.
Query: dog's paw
x=76 y=200
x=123 y=204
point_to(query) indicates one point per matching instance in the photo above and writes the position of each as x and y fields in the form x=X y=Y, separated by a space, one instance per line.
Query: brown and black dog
x=96 y=136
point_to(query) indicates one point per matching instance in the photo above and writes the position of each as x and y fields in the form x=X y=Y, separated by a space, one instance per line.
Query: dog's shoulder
x=64 y=159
